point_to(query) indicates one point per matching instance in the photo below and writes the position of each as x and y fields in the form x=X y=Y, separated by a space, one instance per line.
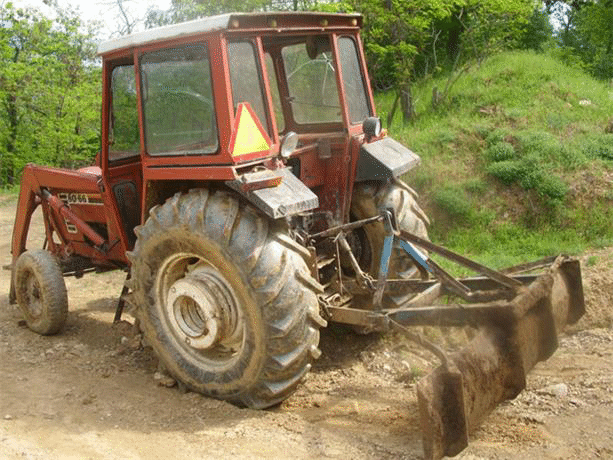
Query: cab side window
x=124 y=139
x=355 y=87
x=247 y=83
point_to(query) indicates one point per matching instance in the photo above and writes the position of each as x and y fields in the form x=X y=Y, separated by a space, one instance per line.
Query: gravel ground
x=93 y=392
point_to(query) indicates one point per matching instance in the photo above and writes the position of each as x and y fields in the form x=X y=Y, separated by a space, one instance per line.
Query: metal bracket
x=390 y=225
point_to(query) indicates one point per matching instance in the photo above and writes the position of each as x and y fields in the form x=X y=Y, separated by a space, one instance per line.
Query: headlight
x=372 y=127
x=288 y=144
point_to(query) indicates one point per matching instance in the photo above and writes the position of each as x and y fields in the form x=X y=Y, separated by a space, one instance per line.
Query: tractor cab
x=218 y=98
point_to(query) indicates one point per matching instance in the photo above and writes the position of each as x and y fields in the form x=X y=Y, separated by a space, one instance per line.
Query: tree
x=589 y=35
x=408 y=39
x=126 y=21
x=185 y=10
x=49 y=91
x=538 y=30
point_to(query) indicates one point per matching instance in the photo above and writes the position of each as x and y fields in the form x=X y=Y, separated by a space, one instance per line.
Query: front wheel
x=225 y=298
x=41 y=292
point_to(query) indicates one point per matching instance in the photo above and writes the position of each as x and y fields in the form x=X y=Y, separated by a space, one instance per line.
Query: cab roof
x=274 y=21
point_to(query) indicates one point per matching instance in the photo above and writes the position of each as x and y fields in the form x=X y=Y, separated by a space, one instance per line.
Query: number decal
x=80 y=198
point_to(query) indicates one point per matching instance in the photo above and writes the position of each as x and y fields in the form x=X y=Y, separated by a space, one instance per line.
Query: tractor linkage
x=517 y=313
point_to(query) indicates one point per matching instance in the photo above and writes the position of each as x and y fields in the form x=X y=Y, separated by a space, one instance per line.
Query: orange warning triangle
x=248 y=135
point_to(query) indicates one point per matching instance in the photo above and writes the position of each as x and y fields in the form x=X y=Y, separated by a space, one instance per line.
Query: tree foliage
x=185 y=10
x=588 y=34
x=407 y=40
x=49 y=91
x=538 y=30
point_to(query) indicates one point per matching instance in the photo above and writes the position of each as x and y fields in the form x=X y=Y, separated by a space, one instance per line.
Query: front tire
x=41 y=292
x=225 y=298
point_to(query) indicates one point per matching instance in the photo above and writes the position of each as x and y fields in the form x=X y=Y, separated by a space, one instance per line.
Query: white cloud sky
x=105 y=11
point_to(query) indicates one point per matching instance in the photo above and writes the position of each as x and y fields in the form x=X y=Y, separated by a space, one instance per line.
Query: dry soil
x=91 y=392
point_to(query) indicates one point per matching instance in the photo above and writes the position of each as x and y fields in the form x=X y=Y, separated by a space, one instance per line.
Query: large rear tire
x=41 y=292
x=225 y=298
x=369 y=199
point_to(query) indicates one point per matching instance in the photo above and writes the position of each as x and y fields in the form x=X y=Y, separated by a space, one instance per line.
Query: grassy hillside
x=517 y=164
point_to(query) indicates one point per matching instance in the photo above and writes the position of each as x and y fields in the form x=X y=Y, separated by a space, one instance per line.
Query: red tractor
x=247 y=188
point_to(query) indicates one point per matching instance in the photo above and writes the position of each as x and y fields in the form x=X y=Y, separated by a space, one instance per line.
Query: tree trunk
x=390 y=115
x=7 y=165
x=406 y=104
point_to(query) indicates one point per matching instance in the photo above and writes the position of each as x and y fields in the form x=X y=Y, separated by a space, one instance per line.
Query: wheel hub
x=203 y=310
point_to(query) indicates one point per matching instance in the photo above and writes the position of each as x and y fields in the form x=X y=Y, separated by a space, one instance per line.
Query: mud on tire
x=41 y=292
x=225 y=298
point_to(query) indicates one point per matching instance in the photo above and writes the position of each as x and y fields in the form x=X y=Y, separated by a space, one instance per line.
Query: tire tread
x=44 y=267
x=266 y=257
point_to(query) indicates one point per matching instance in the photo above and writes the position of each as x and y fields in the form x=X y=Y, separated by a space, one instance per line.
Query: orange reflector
x=248 y=135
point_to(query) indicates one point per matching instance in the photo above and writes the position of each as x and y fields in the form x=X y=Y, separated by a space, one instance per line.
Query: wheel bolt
x=188 y=341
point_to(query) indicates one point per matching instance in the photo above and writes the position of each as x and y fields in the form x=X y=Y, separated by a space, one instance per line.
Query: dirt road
x=91 y=392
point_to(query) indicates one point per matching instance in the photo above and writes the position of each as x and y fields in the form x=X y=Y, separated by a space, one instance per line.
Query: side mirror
x=372 y=127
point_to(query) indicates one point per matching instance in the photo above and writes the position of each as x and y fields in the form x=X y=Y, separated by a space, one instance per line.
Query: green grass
x=516 y=164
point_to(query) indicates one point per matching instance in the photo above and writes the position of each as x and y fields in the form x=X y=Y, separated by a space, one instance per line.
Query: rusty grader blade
x=455 y=398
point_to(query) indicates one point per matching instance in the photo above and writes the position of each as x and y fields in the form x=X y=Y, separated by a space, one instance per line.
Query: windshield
x=311 y=95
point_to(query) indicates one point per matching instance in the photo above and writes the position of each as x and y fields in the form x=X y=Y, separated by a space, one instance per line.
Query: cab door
x=121 y=148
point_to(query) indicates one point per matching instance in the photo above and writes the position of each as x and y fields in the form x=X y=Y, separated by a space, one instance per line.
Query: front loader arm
x=34 y=180
x=29 y=199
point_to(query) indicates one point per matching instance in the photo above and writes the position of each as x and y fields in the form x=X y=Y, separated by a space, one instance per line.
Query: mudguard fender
x=385 y=159
x=276 y=193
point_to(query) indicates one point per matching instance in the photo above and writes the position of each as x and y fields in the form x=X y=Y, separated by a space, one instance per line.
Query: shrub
x=454 y=202
x=552 y=187
x=599 y=146
x=496 y=136
x=501 y=151
x=507 y=172
x=539 y=143
x=530 y=175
